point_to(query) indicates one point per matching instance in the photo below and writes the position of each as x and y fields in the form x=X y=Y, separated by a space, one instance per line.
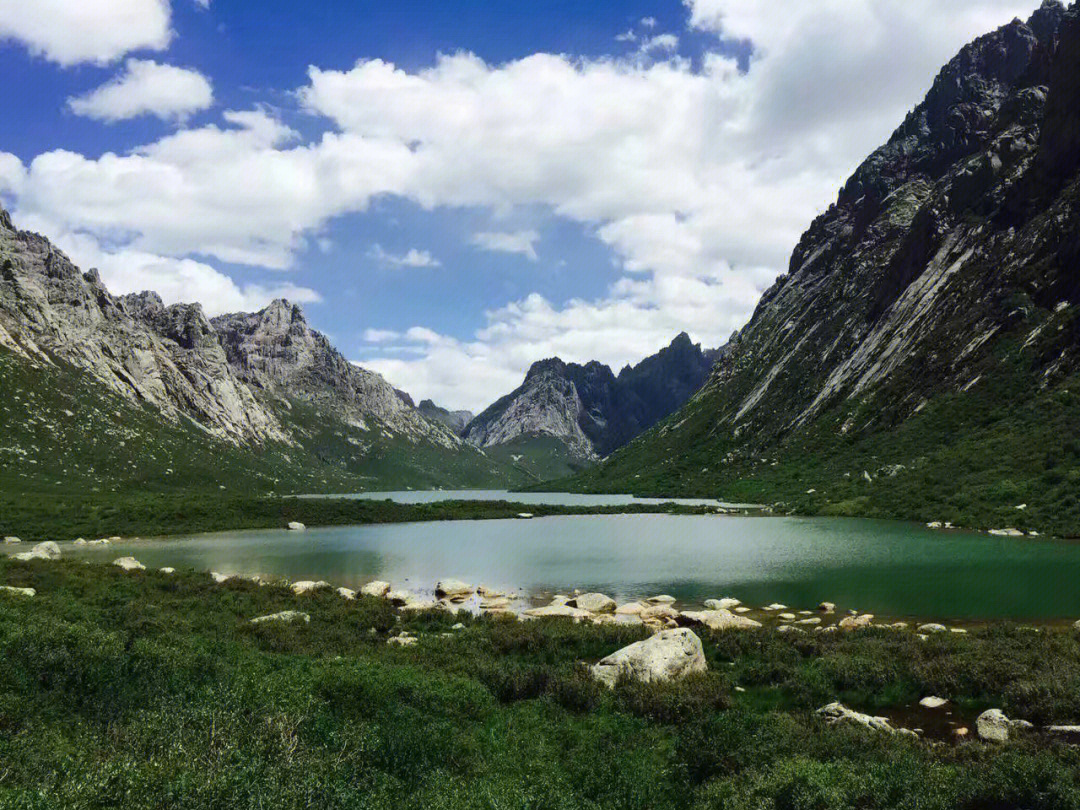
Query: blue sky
x=457 y=189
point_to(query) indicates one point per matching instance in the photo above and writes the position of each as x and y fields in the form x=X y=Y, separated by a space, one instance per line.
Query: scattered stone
x=220 y=579
x=104 y=541
x=993 y=726
x=525 y=515
x=932 y=702
x=18 y=591
x=667 y=655
x=827 y=607
x=296 y=526
x=1007 y=532
x=347 y=593
x=856 y=622
x=307 y=586
x=402 y=641
x=129 y=564
x=377 y=588
x=422 y=604
x=167 y=570
x=42 y=551
x=809 y=622
x=594 y=603
x=560 y=599
x=558 y=611
x=933 y=628
x=961 y=732
x=11 y=540
x=453 y=589
x=742 y=609
x=495 y=604
x=81 y=541
x=935 y=524
x=635 y=609
x=400 y=597
x=775 y=606
x=787 y=617
x=663 y=599
x=717 y=620
x=490 y=593
x=1069 y=730
x=458 y=626
x=284 y=616
x=722 y=604
x=660 y=612
x=789 y=628
x=836 y=713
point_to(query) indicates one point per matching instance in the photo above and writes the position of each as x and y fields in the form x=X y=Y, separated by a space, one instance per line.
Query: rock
x=495 y=603
x=402 y=641
x=458 y=626
x=347 y=593
x=827 y=607
x=933 y=628
x=594 y=603
x=104 y=541
x=490 y=593
x=667 y=655
x=11 y=540
x=1006 y=532
x=934 y=524
x=17 y=591
x=787 y=617
x=1069 y=730
x=525 y=515
x=809 y=622
x=660 y=612
x=376 y=588
x=560 y=599
x=635 y=609
x=558 y=611
x=422 y=604
x=296 y=526
x=662 y=599
x=220 y=579
x=717 y=620
x=284 y=616
x=167 y=570
x=400 y=597
x=856 y=622
x=836 y=713
x=722 y=604
x=932 y=702
x=742 y=609
x=993 y=726
x=42 y=551
x=81 y=541
x=129 y=564
x=307 y=586
x=775 y=606
x=453 y=589
x=961 y=732
x=789 y=628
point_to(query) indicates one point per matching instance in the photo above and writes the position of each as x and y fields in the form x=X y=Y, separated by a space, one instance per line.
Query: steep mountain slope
x=920 y=359
x=580 y=413
x=455 y=420
x=260 y=395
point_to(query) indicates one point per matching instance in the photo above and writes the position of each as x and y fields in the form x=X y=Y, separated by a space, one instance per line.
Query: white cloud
x=700 y=178
x=98 y=31
x=380 y=335
x=146 y=88
x=519 y=242
x=411 y=258
x=660 y=43
x=648 y=22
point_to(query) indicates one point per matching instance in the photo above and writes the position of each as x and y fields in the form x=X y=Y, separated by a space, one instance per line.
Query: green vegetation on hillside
x=142 y=690
x=969 y=457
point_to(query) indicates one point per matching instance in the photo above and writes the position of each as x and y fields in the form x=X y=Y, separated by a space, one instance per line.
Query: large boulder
x=856 y=622
x=376 y=588
x=17 y=591
x=129 y=564
x=307 y=586
x=667 y=655
x=347 y=593
x=296 y=526
x=635 y=609
x=594 y=603
x=284 y=616
x=837 y=713
x=722 y=604
x=42 y=551
x=453 y=589
x=716 y=620
x=11 y=540
x=994 y=726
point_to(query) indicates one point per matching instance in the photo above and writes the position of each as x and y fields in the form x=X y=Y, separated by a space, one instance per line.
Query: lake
x=889 y=568
x=534 y=498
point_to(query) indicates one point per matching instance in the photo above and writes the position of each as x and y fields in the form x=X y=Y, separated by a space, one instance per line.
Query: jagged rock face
x=276 y=351
x=455 y=420
x=951 y=235
x=168 y=358
x=590 y=409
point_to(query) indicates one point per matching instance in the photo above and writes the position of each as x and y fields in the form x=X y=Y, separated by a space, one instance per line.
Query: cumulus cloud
x=410 y=258
x=72 y=31
x=699 y=176
x=519 y=242
x=146 y=88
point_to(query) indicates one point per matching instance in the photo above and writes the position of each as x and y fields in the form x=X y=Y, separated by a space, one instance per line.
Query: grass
x=143 y=690
x=37 y=516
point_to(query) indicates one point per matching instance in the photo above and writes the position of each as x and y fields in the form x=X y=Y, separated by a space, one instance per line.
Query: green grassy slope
x=61 y=431
x=968 y=457
x=144 y=690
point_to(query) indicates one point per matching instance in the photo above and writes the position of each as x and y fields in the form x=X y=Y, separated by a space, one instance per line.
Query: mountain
x=455 y=420
x=102 y=391
x=920 y=357
x=565 y=416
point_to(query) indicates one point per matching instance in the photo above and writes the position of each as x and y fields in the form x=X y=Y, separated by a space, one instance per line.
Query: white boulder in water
x=296 y=526
x=42 y=551
x=377 y=588
x=129 y=564
x=454 y=589
x=307 y=586
x=594 y=603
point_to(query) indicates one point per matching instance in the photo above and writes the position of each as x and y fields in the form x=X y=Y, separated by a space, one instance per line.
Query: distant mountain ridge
x=589 y=409
x=260 y=382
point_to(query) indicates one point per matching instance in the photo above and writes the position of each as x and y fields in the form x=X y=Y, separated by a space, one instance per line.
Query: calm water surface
x=538 y=498
x=889 y=568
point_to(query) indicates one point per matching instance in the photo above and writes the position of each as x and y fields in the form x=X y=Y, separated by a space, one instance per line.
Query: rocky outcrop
x=592 y=411
x=455 y=420
x=667 y=655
